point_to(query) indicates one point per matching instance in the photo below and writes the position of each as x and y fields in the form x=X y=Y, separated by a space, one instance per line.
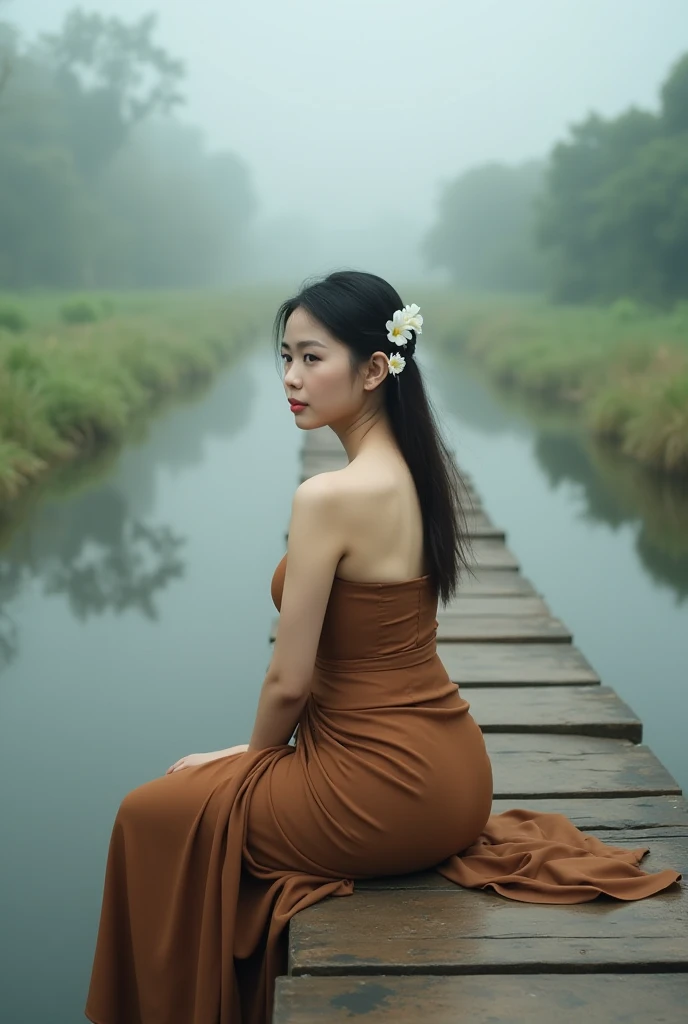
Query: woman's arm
x=276 y=717
x=314 y=548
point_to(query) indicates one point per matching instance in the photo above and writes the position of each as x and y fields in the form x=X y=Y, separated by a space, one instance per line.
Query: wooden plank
x=516 y=664
x=494 y=583
x=470 y=999
x=590 y=814
x=398 y=929
x=553 y=765
x=514 y=604
x=505 y=629
x=583 y=710
x=478 y=526
x=492 y=554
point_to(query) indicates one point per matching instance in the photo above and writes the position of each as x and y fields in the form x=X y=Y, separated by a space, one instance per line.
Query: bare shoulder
x=352 y=481
x=320 y=489
x=343 y=492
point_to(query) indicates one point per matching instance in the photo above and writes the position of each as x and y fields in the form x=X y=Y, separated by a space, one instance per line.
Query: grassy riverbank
x=77 y=372
x=624 y=370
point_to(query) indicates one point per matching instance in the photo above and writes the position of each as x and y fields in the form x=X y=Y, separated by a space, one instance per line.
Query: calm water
x=136 y=622
x=135 y=617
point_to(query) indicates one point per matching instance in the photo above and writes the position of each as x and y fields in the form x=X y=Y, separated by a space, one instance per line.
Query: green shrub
x=21 y=359
x=17 y=467
x=84 y=408
x=79 y=311
x=12 y=319
x=625 y=310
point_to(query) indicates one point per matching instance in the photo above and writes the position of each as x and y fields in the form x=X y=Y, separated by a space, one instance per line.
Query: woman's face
x=317 y=372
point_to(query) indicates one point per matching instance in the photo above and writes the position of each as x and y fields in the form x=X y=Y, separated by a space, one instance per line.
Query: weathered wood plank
x=513 y=604
x=504 y=629
x=403 y=930
x=494 y=583
x=470 y=999
x=516 y=664
x=479 y=526
x=591 y=814
x=583 y=710
x=550 y=765
x=492 y=554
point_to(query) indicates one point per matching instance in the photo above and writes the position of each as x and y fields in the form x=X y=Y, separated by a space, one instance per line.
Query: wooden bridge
x=419 y=948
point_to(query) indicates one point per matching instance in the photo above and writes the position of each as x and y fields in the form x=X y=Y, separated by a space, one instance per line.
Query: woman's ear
x=376 y=371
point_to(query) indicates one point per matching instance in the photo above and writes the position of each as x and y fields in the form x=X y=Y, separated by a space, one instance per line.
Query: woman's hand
x=194 y=759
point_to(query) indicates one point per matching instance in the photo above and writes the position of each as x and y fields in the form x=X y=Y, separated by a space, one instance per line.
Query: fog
x=350 y=117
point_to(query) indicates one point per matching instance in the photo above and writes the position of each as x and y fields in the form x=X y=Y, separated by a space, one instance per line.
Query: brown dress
x=389 y=775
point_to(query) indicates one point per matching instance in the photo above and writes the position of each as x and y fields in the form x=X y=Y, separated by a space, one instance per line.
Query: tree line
x=100 y=186
x=604 y=217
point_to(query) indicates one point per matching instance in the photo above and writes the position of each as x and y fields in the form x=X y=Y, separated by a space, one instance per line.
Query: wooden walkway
x=418 y=947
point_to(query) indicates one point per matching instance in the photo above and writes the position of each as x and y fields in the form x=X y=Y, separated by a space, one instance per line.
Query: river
x=135 y=612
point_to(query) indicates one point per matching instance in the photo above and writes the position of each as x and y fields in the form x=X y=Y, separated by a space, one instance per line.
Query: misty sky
x=354 y=109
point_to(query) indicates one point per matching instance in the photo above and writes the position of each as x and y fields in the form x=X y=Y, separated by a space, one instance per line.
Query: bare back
x=381 y=520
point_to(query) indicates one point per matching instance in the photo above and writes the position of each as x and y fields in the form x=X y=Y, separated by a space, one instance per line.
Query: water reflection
x=99 y=548
x=9 y=633
x=612 y=489
x=616 y=491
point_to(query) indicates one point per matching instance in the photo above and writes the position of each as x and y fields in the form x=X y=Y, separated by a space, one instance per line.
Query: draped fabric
x=389 y=775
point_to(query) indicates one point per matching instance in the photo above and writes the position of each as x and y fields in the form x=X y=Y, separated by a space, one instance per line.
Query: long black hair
x=354 y=307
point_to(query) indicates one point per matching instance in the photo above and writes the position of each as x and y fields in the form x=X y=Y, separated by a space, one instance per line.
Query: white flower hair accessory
x=399 y=333
x=396 y=363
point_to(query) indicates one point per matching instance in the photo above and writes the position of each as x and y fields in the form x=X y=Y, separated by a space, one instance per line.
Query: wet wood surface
x=507 y=664
x=586 y=710
x=594 y=814
x=494 y=583
x=426 y=924
x=546 y=764
x=492 y=554
x=504 y=629
x=475 y=999
x=513 y=604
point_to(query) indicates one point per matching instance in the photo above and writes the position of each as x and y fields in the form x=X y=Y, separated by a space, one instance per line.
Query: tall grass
x=624 y=369
x=71 y=384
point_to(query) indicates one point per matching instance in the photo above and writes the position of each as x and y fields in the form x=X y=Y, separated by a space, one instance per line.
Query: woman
x=389 y=772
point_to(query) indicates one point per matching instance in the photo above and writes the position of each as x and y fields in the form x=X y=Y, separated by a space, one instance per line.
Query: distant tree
x=674 y=96
x=484 y=232
x=41 y=205
x=577 y=171
x=614 y=214
x=111 y=75
x=177 y=214
x=99 y=186
x=639 y=224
